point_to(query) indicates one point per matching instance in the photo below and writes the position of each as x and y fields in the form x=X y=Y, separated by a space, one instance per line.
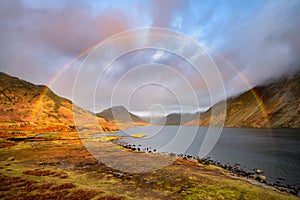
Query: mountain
x=178 y=118
x=24 y=101
x=280 y=100
x=23 y=104
x=119 y=114
x=172 y=119
x=21 y=101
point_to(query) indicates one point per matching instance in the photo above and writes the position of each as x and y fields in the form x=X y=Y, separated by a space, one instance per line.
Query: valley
x=44 y=157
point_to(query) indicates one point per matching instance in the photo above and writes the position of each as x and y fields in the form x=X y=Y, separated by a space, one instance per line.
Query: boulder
x=10 y=158
x=262 y=179
x=259 y=171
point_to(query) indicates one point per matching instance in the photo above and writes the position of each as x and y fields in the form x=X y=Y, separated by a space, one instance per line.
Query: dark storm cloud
x=35 y=43
x=266 y=45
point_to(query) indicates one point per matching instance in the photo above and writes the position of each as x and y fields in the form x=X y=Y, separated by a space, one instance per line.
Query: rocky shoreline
x=255 y=177
x=61 y=160
x=235 y=171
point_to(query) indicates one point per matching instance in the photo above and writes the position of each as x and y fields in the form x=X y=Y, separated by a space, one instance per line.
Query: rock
x=253 y=176
x=248 y=173
x=259 y=171
x=206 y=162
x=172 y=154
x=10 y=158
x=262 y=179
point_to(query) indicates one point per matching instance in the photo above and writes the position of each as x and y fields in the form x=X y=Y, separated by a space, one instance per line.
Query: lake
x=275 y=151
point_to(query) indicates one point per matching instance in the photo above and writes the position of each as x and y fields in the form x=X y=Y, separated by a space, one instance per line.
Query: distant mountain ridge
x=119 y=113
x=20 y=101
x=280 y=108
x=179 y=119
x=281 y=103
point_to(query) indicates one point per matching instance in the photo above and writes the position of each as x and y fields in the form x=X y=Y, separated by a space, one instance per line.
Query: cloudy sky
x=249 y=41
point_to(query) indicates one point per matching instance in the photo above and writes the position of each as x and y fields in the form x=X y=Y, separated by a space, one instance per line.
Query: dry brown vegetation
x=62 y=168
x=56 y=164
x=14 y=187
x=41 y=172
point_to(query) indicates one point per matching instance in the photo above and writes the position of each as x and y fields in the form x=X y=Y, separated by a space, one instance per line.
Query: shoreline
x=233 y=170
x=185 y=177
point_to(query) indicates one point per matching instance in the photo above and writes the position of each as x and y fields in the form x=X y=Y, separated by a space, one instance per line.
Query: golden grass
x=139 y=135
x=63 y=168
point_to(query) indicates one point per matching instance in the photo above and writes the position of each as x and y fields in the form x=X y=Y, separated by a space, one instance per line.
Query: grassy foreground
x=58 y=166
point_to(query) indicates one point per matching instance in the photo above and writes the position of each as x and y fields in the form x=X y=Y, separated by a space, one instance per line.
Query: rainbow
x=250 y=86
x=33 y=116
x=38 y=104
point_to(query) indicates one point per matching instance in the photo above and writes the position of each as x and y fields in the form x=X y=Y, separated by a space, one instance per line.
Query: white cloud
x=159 y=54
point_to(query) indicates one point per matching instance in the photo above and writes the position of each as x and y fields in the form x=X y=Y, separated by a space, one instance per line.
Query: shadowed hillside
x=179 y=119
x=280 y=102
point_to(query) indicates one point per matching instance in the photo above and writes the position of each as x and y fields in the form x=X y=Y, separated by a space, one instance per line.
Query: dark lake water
x=275 y=151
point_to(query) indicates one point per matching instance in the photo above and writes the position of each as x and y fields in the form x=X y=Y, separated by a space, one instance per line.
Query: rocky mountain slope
x=23 y=104
x=22 y=101
x=280 y=108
